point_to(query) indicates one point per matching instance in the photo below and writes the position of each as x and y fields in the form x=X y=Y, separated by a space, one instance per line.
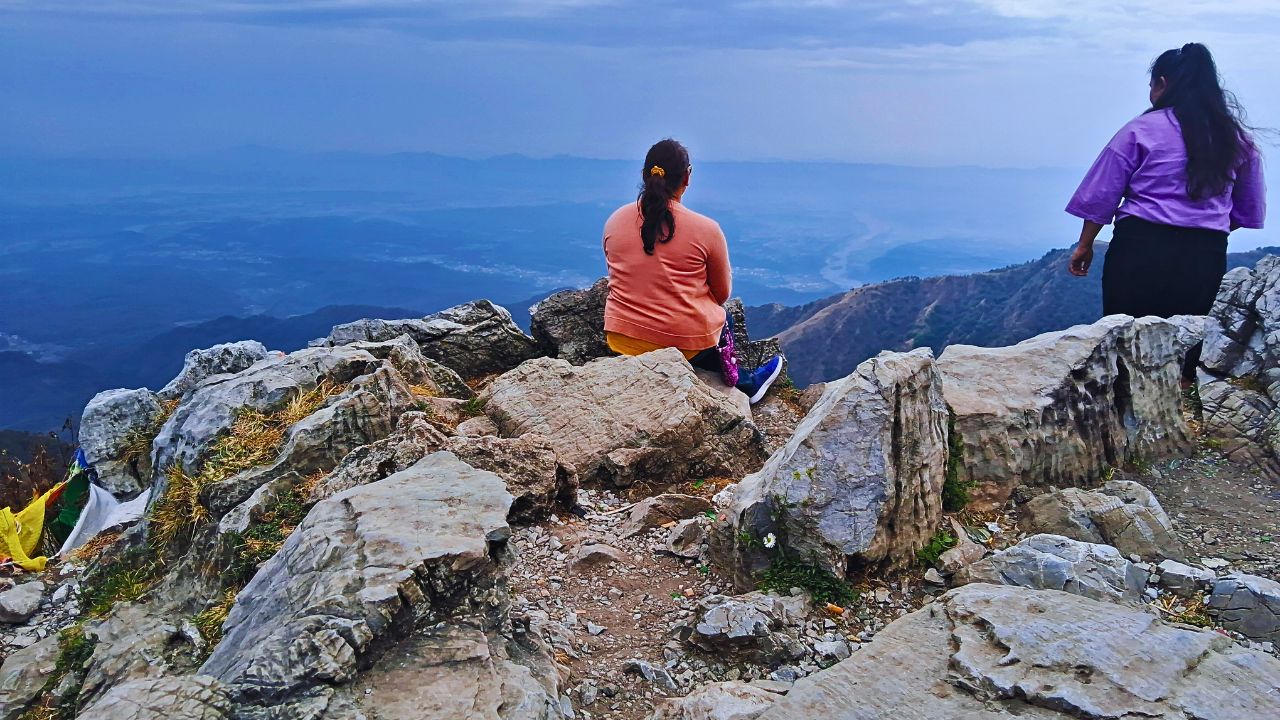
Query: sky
x=996 y=83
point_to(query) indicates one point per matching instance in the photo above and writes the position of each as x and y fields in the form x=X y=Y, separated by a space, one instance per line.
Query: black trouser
x=709 y=359
x=1163 y=270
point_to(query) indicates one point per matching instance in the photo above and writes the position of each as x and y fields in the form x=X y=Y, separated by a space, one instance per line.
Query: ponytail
x=665 y=168
x=1210 y=117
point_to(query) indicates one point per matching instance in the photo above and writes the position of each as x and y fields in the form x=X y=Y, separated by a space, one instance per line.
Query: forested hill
x=826 y=339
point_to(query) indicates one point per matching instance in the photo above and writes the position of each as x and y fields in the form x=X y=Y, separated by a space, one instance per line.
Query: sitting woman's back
x=669 y=272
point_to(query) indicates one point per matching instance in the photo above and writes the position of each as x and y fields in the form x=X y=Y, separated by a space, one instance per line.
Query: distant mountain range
x=827 y=338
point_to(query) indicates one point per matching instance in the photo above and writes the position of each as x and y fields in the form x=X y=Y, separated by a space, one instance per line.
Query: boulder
x=420 y=545
x=192 y=697
x=660 y=510
x=1052 y=562
x=19 y=603
x=1242 y=338
x=1122 y=514
x=623 y=419
x=217 y=360
x=1184 y=580
x=1248 y=604
x=535 y=477
x=731 y=700
x=860 y=481
x=113 y=422
x=24 y=673
x=479 y=426
x=1243 y=421
x=991 y=652
x=417 y=369
x=747 y=622
x=474 y=339
x=598 y=554
x=1061 y=408
x=569 y=325
x=687 y=539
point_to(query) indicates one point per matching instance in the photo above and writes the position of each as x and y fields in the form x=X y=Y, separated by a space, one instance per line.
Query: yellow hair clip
x=655 y=170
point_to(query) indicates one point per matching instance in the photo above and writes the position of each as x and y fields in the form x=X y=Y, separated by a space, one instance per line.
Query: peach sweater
x=674 y=297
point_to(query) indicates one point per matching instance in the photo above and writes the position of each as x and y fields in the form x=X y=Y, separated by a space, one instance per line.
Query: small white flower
x=770 y=540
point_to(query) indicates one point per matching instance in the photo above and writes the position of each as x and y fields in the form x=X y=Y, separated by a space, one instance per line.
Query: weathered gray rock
x=687 y=539
x=732 y=700
x=134 y=642
x=617 y=420
x=268 y=385
x=1184 y=580
x=660 y=678
x=112 y=421
x=661 y=509
x=421 y=544
x=745 y=621
x=1244 y=421
x=19 y=603
x=474 y=339
x=1122 y=514
x=535 y=477
x=989 y=652
x=859 y=482
x=1053 y=562
x=457 y=673
x=569 y=325
x=414 y=438
x=23 y=675
x=217 y=360
x=191 y=697
x=1248 y=604
x=597 y=554
x=1243 y=337
x=479 y=426
x=417 y=369
x=1060 y=408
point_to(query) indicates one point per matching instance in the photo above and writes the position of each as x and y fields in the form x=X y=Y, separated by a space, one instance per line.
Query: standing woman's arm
x=1099 y=195
x=1249 y=196
x=719 y=273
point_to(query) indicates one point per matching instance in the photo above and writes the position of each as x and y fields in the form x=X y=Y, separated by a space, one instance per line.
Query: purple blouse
x=1145 y=166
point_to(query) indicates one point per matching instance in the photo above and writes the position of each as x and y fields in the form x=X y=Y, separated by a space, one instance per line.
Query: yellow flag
x=19 y=534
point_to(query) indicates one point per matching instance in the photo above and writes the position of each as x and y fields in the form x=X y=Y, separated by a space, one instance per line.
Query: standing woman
x=1176 y=179
x=669 y=274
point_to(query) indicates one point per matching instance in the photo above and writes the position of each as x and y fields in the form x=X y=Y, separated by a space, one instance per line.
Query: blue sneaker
x=757 y=382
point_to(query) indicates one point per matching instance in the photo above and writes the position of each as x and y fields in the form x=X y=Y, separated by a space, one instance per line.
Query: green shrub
x=938 y=544
x=955 y=492
x=787 y=571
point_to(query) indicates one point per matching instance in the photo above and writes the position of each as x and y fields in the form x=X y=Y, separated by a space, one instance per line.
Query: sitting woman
x=669 y=275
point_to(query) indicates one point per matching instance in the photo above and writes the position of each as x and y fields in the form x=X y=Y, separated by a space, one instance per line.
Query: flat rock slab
x=717 y=701
x=986 y=652
x=1060 y=408
x=191 y=697
x=1248 y=604
x=362 y=567
x=623 y=419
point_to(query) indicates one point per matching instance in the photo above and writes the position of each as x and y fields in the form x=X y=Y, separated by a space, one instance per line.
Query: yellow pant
x=626 y=345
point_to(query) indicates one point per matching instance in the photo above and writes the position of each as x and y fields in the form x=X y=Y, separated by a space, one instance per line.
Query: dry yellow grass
x=137 y=442
x=423 y=391
x=1189 y=611
x=209 y=622
x=253 y=439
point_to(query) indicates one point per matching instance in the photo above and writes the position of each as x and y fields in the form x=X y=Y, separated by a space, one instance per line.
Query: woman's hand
x=1082 y=256
x=1081 y=259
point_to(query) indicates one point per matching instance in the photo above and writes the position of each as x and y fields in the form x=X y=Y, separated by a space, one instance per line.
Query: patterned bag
x=728 y=362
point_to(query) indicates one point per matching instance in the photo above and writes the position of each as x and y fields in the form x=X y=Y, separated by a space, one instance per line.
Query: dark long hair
x=1212 y=123
x=665 y=167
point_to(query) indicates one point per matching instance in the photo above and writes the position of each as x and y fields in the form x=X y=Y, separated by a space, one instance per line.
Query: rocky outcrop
x=1121 y=513
x=414 y=438
x=1052 y=562
x=534 y=475
x=1184 y=580
x=1062 y=407
x=217 y=360
x=23 y=675
x=732 y=700
x=987 y=651
x=110 y=426
x=474 y=339
x=1243 y=422
x=619 y=420
x=177 y=698
x=859 y=482
x=422 y=544
x=1248 y=604
x=569 y=325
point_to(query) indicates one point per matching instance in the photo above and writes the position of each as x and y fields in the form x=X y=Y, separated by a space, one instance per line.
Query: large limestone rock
x=1249 y=605
x=210 y=409
x=414 y=438
x=534 y=475
x=175 y=698
x=474 y=339
x=1060 y=408
x=733 y=700
x=989 y=652
x=1244 y=421
x=217 y=360
x=111 y=422
x=618 y=420
x=1121 y=513
x=420 y=545
x=1053 y=562
x=23 y=675
x=417 y=369
x=859 y=482
x=570 y=324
